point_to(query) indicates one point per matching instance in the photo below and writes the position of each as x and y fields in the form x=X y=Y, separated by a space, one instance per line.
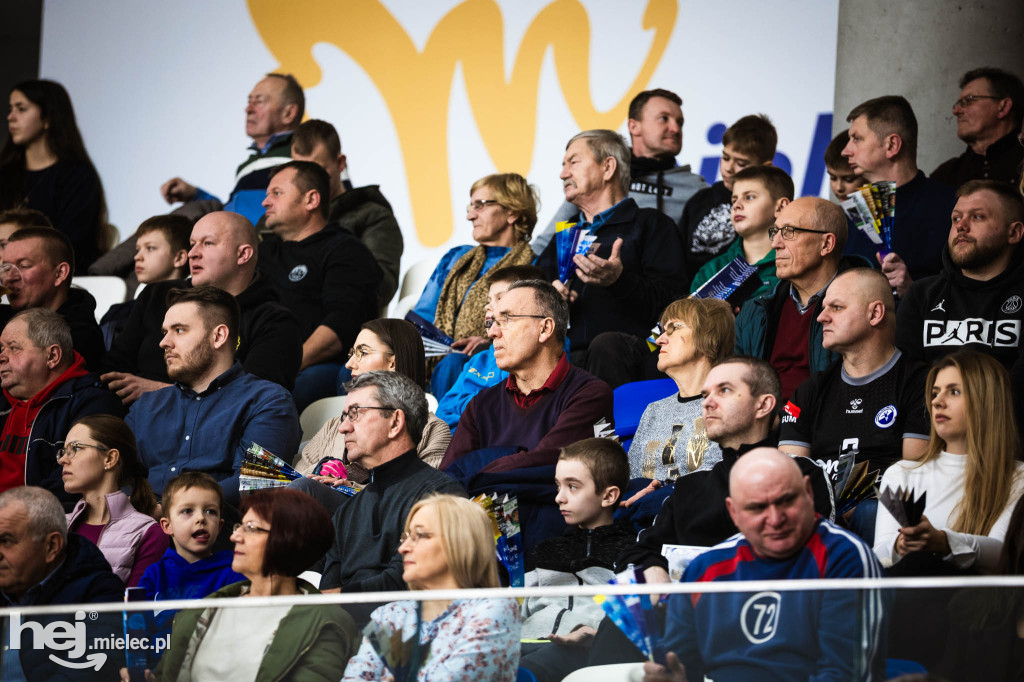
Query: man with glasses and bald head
x=544 y=405
x=782 y=327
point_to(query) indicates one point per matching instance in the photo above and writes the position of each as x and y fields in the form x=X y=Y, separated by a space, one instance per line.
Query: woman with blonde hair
x=448 y=544
x=503 y=210
x=969 y=471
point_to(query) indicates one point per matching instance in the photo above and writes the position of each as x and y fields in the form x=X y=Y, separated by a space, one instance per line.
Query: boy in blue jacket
x=191 y=515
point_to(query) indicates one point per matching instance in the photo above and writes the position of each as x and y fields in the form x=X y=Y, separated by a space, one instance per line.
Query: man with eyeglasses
x=988 y=118
x=782 y=327
x=223 y=253
x=46 y=389
x=325 y=275
x=384 y=417
x=215 y=410
x=883 y=147
x=544 y=405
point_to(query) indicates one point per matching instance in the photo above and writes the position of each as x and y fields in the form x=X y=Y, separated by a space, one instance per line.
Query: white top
x=943 y=479
x=246 y=633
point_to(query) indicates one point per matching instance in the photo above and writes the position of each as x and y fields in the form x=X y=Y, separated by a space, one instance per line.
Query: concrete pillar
x=919 y=49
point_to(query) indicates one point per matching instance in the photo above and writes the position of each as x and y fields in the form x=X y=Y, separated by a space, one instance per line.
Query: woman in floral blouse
x=448 y=544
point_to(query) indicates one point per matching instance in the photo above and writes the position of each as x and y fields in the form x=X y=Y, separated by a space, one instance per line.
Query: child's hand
x=675 y=672
x=125 y=677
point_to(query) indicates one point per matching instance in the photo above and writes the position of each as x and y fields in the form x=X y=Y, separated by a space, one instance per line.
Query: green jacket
x=765 y=269
x=312 y=643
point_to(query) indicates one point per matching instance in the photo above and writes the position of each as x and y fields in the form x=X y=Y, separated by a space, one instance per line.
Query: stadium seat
x=404 y=306
x=106 y=290
x=319 y=413
x=431 y=403
x=413 y=281
x=632 y=399
x=524 y=675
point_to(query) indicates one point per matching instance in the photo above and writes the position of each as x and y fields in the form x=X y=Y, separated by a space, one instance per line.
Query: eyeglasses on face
x=479 y=204
x=360 y=352
x=352 y=414
x=968 y=100
x=789 y=231
x=414 y=537
x=70 y=450
x=248 y=528
x=503 y=319
x=670 y=328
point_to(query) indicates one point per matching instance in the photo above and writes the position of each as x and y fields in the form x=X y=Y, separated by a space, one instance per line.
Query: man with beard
x=215 y=410
x=977 y=301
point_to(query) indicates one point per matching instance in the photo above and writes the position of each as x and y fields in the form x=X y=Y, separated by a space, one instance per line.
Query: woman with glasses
x=281 y=534
x=696 y=333
x=503 y=211
x=448 y=544
x=44 y=166
x=383 y=344
x=99 y=459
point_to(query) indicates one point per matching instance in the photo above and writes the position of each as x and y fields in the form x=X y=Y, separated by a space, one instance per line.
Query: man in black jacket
x=223 y=254
x=42 y=564
x=636 y=266
x=740 y=399
x=977 y=301
x=382 y=423
x=39 y=263
x=325 y=275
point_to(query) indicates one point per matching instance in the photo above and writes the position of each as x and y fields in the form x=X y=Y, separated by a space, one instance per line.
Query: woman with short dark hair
x=282 y=533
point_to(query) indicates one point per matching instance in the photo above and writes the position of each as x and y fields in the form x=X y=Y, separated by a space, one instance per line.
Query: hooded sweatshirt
x=949 y=311
x=17 y=428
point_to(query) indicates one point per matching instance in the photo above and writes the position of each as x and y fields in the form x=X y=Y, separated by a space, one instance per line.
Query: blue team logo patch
x=297 y=273
x=759 y=618
x=886 y=417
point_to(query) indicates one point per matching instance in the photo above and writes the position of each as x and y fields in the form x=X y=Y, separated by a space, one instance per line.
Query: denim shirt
x=179 y=430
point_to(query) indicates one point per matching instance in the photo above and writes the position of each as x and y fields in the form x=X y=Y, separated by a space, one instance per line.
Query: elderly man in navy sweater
x=544 y=405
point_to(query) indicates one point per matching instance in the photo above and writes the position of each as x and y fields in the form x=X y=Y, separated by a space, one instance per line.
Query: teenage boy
x=161 y=253
x=841 y=177
x=591 y=476
x=758 y=194
x=161 y=248
x=190 y=569
x=706 y=228
x=481 y=370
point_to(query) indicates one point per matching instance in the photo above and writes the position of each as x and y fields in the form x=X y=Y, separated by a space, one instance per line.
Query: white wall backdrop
x=429 y=95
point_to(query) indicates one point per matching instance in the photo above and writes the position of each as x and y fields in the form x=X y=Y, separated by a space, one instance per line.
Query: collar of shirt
x=270 y=143
x=33 y=592
x=554 y=380
x=233 y=373
x=599 y=219
x=812 y=301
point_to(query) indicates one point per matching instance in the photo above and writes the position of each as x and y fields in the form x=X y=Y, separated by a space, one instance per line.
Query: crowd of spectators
x=122 y=447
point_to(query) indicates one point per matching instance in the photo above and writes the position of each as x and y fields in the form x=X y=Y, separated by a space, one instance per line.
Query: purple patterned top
x=474 y=639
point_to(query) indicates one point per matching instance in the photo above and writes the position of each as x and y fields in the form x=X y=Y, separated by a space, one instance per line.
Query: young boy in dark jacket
x=591 y=476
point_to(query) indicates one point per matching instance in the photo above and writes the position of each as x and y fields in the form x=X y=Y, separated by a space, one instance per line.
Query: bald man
x=868 y=407
x=223 y=252
x=833 y=634
x=808 y=238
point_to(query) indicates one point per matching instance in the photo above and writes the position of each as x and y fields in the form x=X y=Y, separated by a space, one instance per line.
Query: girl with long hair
x=970 y=469
x=44 y=166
